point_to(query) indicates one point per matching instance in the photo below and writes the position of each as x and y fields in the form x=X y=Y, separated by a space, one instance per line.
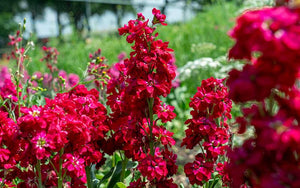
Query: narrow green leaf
x=120 y=185
x=107 y=176
x=116 y=175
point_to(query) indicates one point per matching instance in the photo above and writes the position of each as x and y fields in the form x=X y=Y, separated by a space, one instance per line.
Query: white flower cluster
x=196 y=66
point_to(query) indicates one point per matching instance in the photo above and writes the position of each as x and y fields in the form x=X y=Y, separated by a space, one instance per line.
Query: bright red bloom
x=199 y=171
x=42 y=142
x=158 y=17
x=74 y=165
x=209 y=103
x=165 y=113
x=133 y=95
x=153 y=167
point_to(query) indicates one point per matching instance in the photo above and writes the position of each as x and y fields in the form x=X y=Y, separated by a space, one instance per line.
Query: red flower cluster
x=271 y=157
x=208 y=128
x=50 y=57
x=133 y=96
x=272 y=33
x=7 y=87
x=60 y=138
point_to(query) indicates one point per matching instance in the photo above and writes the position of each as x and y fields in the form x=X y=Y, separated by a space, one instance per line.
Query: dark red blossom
x=133 y=95
x=208 y=128
x=68 y=127
x=153 y=167
x=269 y=39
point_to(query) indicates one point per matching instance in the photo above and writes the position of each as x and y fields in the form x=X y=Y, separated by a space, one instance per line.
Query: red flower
x=42 y=142
x=165 y=113
x=153 y=167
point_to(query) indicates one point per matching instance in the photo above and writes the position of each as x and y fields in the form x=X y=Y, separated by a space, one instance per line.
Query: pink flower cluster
x=269 y=39
x=208 y=129
x=133 y=96
x=56 y=80
x=50 y=57
x=50 y=82
x=17 y=52
x=7 y=87
x=68 y=130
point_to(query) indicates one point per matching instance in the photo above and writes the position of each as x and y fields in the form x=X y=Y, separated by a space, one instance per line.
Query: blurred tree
x=120 y=11
x=7 y=24
x=163 y=10
x=36 y=8
x=80 y=11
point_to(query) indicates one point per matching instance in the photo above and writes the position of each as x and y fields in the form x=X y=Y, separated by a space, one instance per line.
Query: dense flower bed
x=59 y=130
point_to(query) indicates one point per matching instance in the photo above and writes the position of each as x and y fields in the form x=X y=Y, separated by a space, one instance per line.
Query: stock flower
x=270 y=157
x=4 y=155
x=165 y=113
x=72 y=122
x=209 y=103
x=41 y=142
x=7 y=87
x=153 y=167
x=198 y=171
x=137 y=184
x=133 y=93
x=166 y=183
x=50 y=56
x=158 y=17
x=74 y=164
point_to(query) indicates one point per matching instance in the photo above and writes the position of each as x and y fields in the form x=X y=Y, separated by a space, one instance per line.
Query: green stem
x=38 y=168
x=88 y=176
x=124 y=164
x=202 y=151
x=151 y=144
x=19 y=70
x=60 y=177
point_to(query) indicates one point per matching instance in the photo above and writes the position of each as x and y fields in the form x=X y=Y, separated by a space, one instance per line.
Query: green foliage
x=7 y=23
x=8 y=26
x=207 y=27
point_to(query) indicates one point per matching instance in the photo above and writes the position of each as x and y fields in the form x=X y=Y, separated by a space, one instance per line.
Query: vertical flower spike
x=208 y=128
x=133 y=95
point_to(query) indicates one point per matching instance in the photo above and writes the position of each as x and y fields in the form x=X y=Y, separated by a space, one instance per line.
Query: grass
x=210 y=26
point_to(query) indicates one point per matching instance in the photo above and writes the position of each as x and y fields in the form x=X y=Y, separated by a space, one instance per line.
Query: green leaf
x=92 y=181
x=115 y=159
x=38 y=100
x=131 y=164
x=24 y=90
x=120 y=185
x=116 y=175
x=3 y=102
x=107 y=176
